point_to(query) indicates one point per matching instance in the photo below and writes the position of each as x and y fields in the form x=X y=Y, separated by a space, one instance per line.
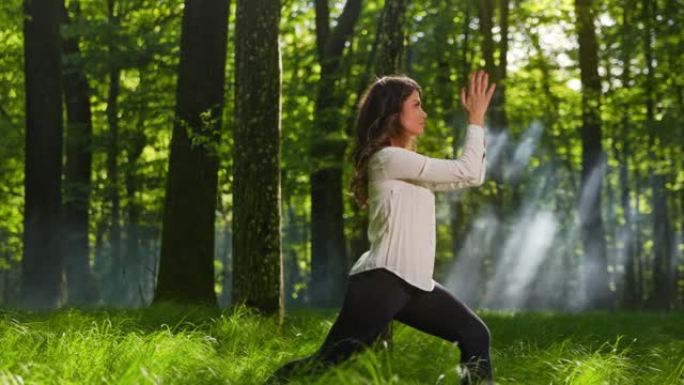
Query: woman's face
x=412 y=116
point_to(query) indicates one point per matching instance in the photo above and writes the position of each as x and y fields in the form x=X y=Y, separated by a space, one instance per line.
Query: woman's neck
x=404 y=142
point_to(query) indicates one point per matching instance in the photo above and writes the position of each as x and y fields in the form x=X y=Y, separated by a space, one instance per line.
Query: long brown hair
x=376 y=124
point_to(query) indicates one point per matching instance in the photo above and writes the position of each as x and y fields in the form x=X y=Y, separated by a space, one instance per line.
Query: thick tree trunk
x=328 y=248
x=186 y=266
x=81 y=289
x=595 y=268
x=257 y=250
x=42 y=257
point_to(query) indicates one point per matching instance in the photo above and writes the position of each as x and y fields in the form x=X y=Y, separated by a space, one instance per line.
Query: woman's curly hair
x=378 y=121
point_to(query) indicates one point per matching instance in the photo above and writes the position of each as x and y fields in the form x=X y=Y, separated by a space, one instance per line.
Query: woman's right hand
x=476 y=100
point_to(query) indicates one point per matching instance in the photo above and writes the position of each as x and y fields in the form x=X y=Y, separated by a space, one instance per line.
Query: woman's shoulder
x=393 y=150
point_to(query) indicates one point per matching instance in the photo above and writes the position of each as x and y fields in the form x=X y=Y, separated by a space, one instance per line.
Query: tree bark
x=133 y=261
x=328 y=248
x=81 y=288
x=186 y=266
x=630 y=298
x=391 y=38
x=595 y=268
x=497 y=122
x=113 y=278
x=42 y=257
x=257 y=253
x=660 y=295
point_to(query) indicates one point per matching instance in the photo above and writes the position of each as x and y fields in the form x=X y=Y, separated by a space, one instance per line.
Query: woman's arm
x=440 y=187
x=467 y=170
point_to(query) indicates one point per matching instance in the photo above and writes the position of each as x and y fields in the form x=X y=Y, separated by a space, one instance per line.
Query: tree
x=663 y=282
x=41 y=263
x=593 y=159
x=391 y=38
x=81 y=289
x=257 y=257
x=391 y=48
x=499 y=118
x=115 y=272
x=328 y=249
x=186 y=266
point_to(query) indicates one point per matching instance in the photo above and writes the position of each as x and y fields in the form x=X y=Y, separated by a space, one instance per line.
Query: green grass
x=182 y=345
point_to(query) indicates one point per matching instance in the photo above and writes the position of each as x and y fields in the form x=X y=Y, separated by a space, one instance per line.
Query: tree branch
x=322 y=26
x=345 y=27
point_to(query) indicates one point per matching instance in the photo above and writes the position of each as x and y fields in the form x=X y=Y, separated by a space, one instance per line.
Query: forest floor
x=181 y=345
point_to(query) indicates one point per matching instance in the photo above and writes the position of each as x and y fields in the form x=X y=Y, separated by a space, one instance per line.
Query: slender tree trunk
x=257 y=250
x=498 y=120
x=457 y=121
x=388 y=62
x=661 y=227
x=391 y=38
x=81 y=287
x=113 y=281
x=358 y=240
x=595 y=268
x=630 y=292
x=186 y=265
x=638 y=243
x=133 y=261
x=328 y=248
x=42 y=257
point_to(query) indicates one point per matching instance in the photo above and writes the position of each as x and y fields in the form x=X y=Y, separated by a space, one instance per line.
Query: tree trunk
x=186 y=266
x=391 y=38
x=133 y=263
x=42 y=256
x=595 y=268
x=257 y=250
x=328 y=249
x=358 y=222
x=113 y=280
x=661 y=228
x=638 y=243
x=81 y=289
x=388 y=62
x=630 y=293
x=457 y=120
x=497 y=121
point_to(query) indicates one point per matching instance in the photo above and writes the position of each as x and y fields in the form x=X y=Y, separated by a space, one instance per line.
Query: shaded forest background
x=155 y=164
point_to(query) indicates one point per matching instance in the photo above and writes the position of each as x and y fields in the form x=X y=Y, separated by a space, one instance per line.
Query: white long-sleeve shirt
x=401 y=186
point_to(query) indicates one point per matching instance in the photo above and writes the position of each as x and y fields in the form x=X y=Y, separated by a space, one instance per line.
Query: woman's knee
x=477 y=334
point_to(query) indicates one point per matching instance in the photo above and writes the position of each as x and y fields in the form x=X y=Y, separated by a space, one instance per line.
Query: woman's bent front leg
x=371 y=301
x=441 y=314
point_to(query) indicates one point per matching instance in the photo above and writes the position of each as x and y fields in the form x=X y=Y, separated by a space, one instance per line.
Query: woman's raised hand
x=476 y=100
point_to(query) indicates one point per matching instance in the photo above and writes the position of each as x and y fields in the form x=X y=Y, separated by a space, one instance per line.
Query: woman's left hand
x=476 y=101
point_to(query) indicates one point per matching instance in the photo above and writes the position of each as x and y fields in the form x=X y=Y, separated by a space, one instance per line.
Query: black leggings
x=373 y=299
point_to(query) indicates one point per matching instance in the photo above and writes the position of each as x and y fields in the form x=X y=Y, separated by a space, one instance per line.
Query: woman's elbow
x=480 y=179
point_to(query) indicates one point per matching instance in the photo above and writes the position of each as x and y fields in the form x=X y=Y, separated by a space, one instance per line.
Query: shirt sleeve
x=441 y=174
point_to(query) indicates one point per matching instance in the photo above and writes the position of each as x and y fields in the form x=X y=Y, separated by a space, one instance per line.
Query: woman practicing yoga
x=393 y=280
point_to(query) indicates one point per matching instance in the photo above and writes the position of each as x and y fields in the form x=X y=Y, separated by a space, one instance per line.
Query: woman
x=393 y=280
